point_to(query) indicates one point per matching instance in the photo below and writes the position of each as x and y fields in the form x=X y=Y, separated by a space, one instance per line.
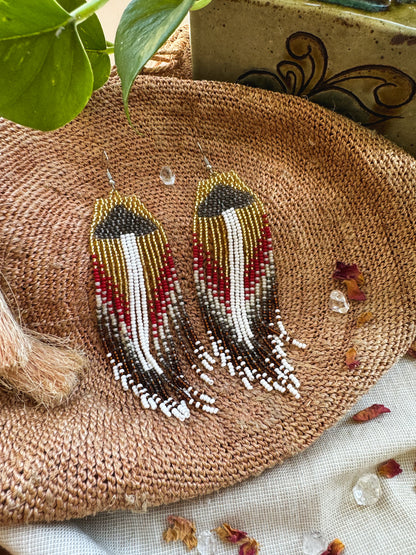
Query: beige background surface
x=110 y=16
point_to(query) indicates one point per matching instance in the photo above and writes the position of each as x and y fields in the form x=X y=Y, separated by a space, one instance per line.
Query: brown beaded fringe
x=333 y=191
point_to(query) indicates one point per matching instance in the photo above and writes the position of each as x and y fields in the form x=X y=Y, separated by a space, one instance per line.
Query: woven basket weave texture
x=333 y=191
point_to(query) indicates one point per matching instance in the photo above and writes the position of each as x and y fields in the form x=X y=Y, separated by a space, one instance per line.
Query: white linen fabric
x=310 y=491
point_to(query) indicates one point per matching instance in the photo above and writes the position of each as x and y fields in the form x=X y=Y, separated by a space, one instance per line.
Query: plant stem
x=109 y=50
x=86 y=10
x=199 y=4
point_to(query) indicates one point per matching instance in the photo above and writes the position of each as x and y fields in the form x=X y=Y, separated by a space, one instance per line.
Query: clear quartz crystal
x=167 y=176
x=314 y=543
x=338 y=302
x=206 y=543
x=367 y=490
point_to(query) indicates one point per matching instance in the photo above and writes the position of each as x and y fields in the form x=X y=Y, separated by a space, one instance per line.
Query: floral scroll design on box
x=370 y=94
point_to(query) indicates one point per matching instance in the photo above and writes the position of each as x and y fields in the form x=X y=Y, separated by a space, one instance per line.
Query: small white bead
x=206 y=379
x=278 y=387
x=246 y=383
x=266 y=385
x=231 y=368
x=293 y=391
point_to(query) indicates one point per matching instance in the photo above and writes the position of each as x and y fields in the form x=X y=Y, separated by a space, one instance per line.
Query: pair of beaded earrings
x=141 y=311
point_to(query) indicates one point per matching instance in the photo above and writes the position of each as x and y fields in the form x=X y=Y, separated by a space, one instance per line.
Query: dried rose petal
x=370 y=412
x=351 y=359
x=353 y=279
x=230 y=535
x=181 y=529
x=389 y=469
x=249 y=547
x=347 y=272
x=354 y=293
x=364 y=318
x=412 y=351
x=336 y=547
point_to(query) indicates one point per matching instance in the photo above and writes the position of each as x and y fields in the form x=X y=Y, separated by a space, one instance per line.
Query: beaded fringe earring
x=140 y=308
x=235 y=279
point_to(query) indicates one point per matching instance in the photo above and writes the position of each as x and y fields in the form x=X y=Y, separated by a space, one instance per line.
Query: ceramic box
x=359 y=63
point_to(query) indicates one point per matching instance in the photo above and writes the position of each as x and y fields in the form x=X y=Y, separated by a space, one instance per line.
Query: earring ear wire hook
x=206 y=161
x=110 y=178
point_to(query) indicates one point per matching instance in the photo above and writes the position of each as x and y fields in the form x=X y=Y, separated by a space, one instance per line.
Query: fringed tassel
x=43 y=367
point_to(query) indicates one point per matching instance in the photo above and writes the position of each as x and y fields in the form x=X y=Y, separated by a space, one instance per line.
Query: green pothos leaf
x=145 y=25
x=19 y=18
x=45 y=74
x=49 y=66
x=199 y=4
x=92 y=37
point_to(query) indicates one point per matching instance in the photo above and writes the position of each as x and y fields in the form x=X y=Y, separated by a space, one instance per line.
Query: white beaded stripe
x=284 y=334
x=293 y=391
x=236 y=265
x=209 y=409
x=279 y=387
x=280 y=374
x=223 y=359
x=207 y=365
x=233 y=261
x=183 y=407
x=165 y=410
x=240 y=293
x=138 y=303
x=207 y=398
x=144 y=337
x=206 y=378
x=135 y=304
x=178 y=414
x=247 y=372
x=266 y=385
x=215 y=348
x=294 y=380
x=246 y=383
x=299 y=344
x=209 y=358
